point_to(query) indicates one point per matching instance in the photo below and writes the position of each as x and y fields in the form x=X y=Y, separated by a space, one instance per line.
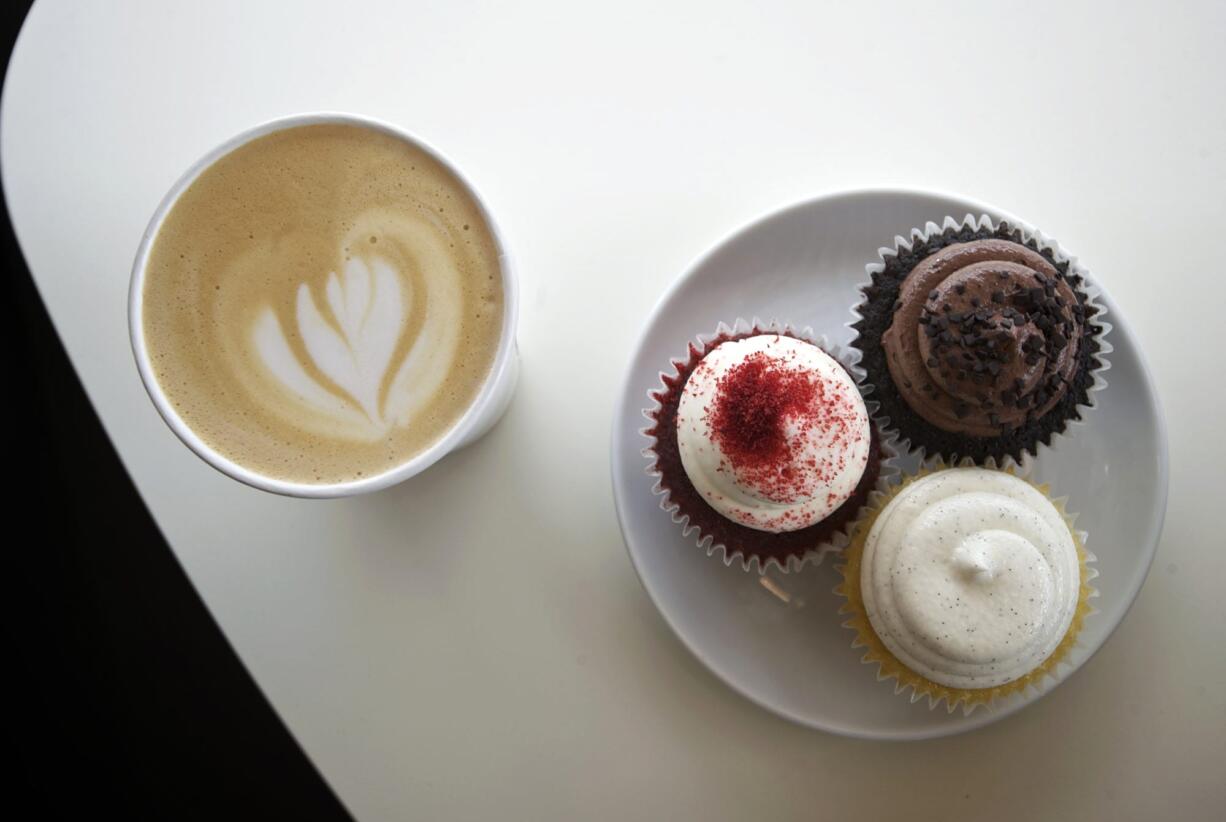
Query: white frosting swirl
x=970 y=577
x=824 y=431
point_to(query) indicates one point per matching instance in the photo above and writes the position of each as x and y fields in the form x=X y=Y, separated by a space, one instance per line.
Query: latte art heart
x=323 y=303
x=358 y=379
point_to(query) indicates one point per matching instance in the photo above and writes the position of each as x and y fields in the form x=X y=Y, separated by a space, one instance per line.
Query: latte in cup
x=323 y=303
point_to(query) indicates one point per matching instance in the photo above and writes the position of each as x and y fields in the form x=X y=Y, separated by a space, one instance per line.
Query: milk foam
x=353 y=340
x=323 y=303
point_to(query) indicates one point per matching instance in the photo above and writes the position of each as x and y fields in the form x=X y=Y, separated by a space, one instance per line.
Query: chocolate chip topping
x=1006 y=337
x=1000 y=376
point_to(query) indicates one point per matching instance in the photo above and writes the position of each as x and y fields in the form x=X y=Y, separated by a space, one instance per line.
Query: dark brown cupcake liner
x=874 y=313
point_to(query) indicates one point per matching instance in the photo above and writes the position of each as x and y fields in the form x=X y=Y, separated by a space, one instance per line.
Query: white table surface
x=474 y=643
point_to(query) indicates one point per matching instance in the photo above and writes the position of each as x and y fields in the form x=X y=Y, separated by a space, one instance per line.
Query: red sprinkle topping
x=755 y=402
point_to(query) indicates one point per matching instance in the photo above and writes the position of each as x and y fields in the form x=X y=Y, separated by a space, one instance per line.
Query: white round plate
x=779 y=639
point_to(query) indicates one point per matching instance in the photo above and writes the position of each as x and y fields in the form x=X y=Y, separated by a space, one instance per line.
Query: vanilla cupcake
x=966 y=585
x=762 y=446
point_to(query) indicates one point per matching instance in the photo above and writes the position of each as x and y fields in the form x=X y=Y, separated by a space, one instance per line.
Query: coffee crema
x=323 y=303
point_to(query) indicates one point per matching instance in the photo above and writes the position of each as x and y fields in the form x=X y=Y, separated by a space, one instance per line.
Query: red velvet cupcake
x=762 y=446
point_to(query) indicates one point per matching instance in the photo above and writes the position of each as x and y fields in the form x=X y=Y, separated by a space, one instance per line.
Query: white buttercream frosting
x=971 y=577
x=814 y=442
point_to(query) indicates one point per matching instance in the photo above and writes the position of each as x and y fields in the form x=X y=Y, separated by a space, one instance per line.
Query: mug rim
x=455 y=435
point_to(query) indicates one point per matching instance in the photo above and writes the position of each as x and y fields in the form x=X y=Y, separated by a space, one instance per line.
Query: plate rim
x=1119 y=323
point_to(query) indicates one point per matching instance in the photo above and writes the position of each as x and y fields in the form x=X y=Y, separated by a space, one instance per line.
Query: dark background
x=129 y=701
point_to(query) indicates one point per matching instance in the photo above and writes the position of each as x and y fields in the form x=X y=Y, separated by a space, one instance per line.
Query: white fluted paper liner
x=888 y=473
x=907 y=682
x=1028 y=233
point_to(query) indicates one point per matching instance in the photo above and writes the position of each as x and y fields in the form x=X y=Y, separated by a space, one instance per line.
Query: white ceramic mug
x=486 y=409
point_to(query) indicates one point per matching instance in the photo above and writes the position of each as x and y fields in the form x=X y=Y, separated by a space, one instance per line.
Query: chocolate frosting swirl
x=984 y=337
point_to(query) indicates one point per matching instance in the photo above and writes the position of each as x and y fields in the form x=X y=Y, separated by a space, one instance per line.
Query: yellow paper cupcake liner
x=890 y=667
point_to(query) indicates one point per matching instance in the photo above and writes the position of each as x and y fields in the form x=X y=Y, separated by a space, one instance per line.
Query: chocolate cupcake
x=761 y=446
x=978 y=339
